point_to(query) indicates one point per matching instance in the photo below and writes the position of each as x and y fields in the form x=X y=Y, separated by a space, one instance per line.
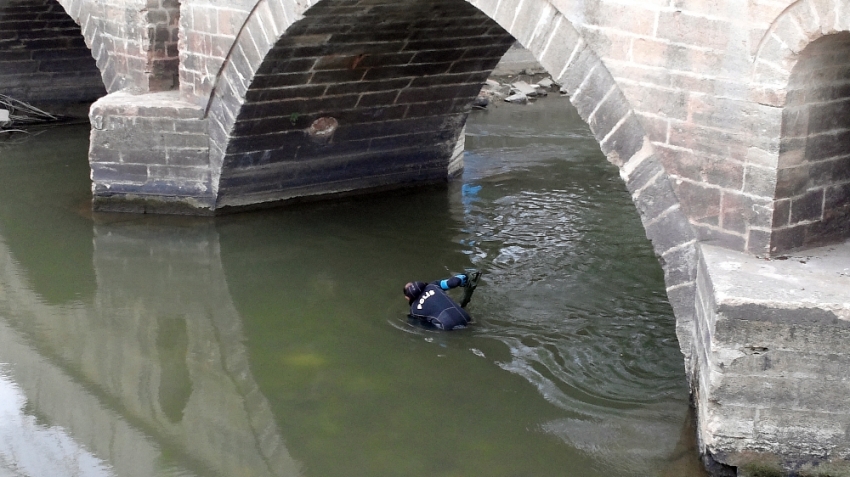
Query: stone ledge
x=816 y=279
x=166 y=104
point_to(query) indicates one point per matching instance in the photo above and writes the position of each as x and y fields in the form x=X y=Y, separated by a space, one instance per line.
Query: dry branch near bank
x=15 y=114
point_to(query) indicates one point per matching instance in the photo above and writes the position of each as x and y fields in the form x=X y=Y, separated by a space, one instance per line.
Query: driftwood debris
x=16 y=114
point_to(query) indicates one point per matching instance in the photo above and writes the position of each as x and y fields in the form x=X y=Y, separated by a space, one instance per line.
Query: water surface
x=276 y=342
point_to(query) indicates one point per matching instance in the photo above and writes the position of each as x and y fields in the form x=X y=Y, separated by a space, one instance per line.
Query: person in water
x=430 y=303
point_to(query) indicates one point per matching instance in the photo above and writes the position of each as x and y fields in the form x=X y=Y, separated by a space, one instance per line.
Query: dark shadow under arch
x=812 y=201
x=392 y=83
x=44 y=59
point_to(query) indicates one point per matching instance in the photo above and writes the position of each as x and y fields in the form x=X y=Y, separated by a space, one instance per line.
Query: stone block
x=669 y=230
x=506 y=11
x=829 y=172
x=781 y=212
x=680 y=27
x=648 y=170
x=807 y=207
x=434 y=93
x=143 y=156
x=184 y=141
x=368 y=86
x=626 y=140
x=529 y=20
x=836 y=200
x=337 y=76
x=384 y=98
x=733 y=423
x=238 y=72
x=680 y=266
x=188 y=157
x=654 y=199
x=272 y=66
x=682 y=298
x=655 y=127
x=289 y=92
x=759 y=181
x=564 y=50
x=726 y=174
x=432 y=108
x=178 y=177
x=668 y=103
x=114 y=173
x=700 y=201
x=393 y=72
x=718 y=237
x=264 y=142
x=788 y=238
x=788 y=29
x=792 y=152
x=587 y=93
x=758 y=241
x=297 y=107
x=826 y=12
x=830 y=116
x=741 y=211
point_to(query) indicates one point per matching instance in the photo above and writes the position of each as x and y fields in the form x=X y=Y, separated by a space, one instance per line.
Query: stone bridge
x=729 y=121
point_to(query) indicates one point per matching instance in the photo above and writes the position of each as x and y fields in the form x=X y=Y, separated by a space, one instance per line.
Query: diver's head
x=412 y=290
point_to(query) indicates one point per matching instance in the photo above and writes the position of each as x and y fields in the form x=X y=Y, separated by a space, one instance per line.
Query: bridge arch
x=260 y=69
x=250 y=124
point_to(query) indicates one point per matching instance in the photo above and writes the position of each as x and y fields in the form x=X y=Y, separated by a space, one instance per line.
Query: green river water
x=276 y=343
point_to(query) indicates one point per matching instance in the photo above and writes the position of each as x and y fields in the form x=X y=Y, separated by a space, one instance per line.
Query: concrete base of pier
x=770 y=367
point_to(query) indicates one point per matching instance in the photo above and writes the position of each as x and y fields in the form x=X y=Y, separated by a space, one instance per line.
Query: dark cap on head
x=413 y=289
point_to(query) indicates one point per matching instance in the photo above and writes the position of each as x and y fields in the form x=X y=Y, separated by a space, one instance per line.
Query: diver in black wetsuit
x=430 y=303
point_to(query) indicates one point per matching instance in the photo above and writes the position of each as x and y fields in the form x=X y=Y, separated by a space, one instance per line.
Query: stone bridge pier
x=729 y=121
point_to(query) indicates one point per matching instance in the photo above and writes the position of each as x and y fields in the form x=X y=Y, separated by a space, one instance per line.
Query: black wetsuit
x=435 y=307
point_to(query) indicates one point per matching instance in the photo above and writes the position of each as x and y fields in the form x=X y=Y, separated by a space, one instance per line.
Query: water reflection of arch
x=169 y=360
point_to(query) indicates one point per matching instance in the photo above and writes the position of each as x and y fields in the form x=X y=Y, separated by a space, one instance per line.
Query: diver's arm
x=453 y=282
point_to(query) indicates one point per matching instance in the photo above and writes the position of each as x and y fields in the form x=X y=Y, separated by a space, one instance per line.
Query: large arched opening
x=812 y=202
x=287 y=104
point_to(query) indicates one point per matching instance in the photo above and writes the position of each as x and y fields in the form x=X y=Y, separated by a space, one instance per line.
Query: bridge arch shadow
x=44 y=58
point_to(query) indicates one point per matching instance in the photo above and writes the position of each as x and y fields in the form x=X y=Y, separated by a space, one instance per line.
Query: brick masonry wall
x=708 y=82
x=43 y=57
x=684 y=68
x=160 y=40
x=134 y=42
x=813 y=177
x=396 y=80
x=208 y=31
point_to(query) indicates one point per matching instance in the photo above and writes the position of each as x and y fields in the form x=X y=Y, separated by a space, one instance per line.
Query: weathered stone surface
x=779 y=331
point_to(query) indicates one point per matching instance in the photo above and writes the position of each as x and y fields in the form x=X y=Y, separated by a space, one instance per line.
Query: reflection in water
x=275 y=343
x=175 y=385
x=149 y=371
x=30 y=448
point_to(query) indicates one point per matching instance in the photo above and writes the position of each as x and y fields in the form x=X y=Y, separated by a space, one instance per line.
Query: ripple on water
x=575 y=293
